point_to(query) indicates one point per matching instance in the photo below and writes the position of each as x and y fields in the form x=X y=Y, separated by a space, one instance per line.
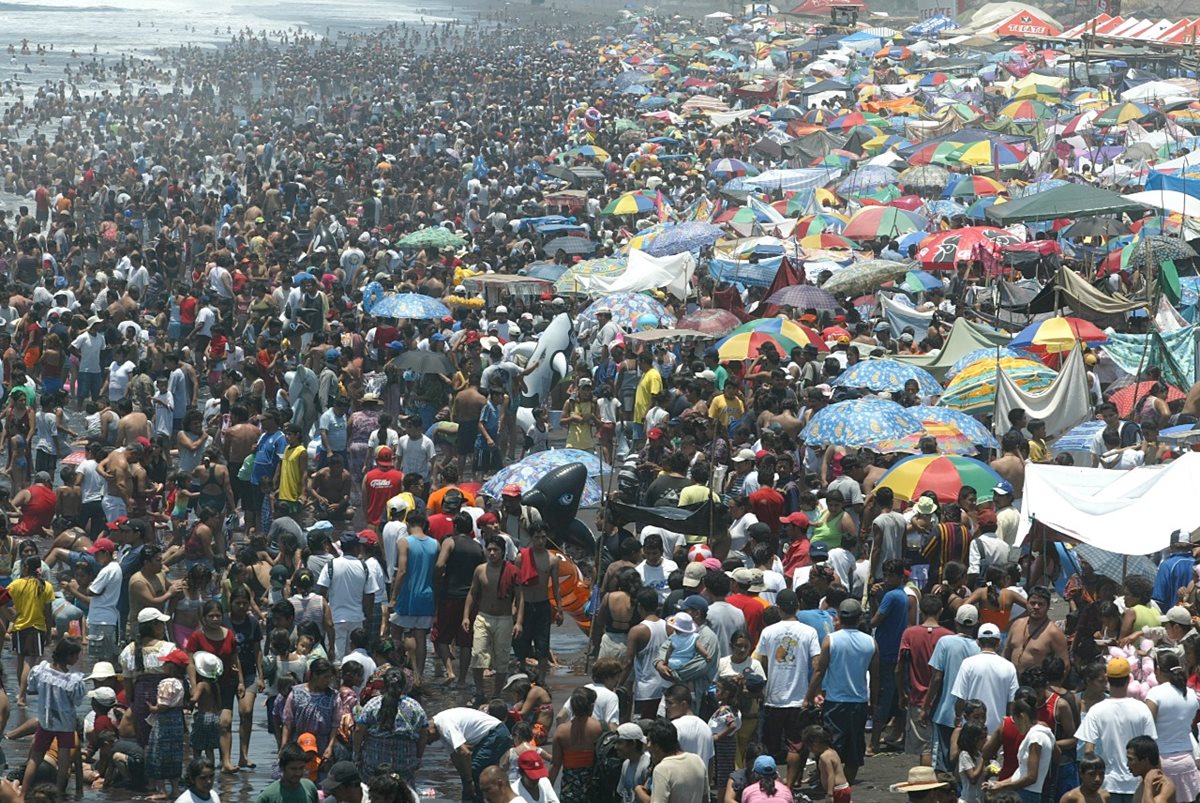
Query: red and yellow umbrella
x=950 y=440
x=1056 y=335
x=945 y=475
x=748 y=345
x=828 y=241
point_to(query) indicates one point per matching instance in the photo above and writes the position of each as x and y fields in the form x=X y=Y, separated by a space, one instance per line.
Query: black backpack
x=606 y=772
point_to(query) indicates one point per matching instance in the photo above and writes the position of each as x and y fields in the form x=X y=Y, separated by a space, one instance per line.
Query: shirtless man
x=329 y=489
x=535 y=636
x=499 y=611
x=782 y=413
x=149 y=588
x=132 y=425
x=118 y=471
x=1034 y=637
x=1011 y=464
x=237 y=443
x=468 y=405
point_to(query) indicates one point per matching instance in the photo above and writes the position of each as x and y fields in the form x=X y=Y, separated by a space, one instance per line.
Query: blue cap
x=438 y=337
x=818 y=549
x=883 y=326
x=396 y=345
x=1003 y=487
x=694 y=602
x=765 y=765
x=333 y=355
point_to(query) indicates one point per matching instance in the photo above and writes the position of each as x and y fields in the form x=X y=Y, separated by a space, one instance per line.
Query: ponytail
x=1170 y=665
x=767 y=785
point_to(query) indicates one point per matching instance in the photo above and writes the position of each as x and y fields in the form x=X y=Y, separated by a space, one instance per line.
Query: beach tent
x=1174 y=353
x=1103 y=508
x=644 y=272
x=1067 y=201
x=964 y=338
x=1063 y=405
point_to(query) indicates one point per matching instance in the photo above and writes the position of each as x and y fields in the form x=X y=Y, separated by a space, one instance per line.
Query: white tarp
x=1127 y=512
x=1062 y=405
x=644 y=272
x=1168 y=201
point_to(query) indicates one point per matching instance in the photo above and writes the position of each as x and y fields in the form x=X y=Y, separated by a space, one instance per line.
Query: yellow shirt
x=30 y=597
x=695 y=494
x=1038 y=453
x=291 y=479
x=649 y=386
x=724 y=410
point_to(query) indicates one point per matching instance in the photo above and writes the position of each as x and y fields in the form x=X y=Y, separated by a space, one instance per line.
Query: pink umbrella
x=74 y=458
x=716 y=322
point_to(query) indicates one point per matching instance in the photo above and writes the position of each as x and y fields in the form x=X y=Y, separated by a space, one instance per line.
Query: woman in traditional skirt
x=164 y=754
x=142 y=662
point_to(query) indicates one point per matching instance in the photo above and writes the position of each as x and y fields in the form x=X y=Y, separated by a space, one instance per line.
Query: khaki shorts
x=491 y=644
x=918 y=738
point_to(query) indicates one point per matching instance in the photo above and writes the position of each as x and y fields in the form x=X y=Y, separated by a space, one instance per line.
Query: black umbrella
x=425 y=362
x=571 y=246
x=1095 y=227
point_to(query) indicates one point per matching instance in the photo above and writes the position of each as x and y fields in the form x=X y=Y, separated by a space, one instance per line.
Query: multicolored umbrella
x=945 y=475
x=529 y=471
x=1153 y=248
x=637 y=202
x=1027 y=111
x=925 y=177
x=731 y=168
x=935 y=153
x=822 y=223
x=859 y=423
x=568 y=281
x=950 y=440
x=975 y=356
x=973 y=390
x=748 y=345
x=990 y=154
x=865 y=276
x=1131 y=397
x=873 y=222
x=797 y=333
x=1122 y=113
x=409 y=305
x=977 y=187
x=715 y=322
x=943 y=250
x=888 y=375
x=675 y=238
x=804 y=296
x=828 y=242
x=1056 y=335
x=432 y=237
x=589 y=152
x=629 y=311
x=969 y=426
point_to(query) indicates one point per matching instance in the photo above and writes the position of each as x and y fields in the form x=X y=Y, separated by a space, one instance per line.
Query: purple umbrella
x=804 y=296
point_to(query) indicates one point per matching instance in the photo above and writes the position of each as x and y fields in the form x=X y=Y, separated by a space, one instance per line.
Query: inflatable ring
x=372 y=295
x=647 y=322
x=592 y=119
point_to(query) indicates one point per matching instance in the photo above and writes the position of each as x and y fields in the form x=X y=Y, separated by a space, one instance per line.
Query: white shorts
x=411 y=622
x=341 y=636
x=113 y=507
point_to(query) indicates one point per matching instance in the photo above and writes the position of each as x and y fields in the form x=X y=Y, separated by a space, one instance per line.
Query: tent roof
x=964 y=338
x=1069 y=200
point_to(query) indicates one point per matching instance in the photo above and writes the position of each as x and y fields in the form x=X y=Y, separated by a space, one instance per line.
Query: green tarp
x=1067 y=201
x=964 y=338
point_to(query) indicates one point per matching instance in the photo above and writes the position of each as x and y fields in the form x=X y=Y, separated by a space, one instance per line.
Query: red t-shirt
x=381 y=484
x=187 y=310
x=226 y=650
x=440 y=525
x=767 y=504
x=752 y=608
x=917 y=642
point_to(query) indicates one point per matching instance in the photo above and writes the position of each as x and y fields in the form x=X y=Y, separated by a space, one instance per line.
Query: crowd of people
x=230 y=488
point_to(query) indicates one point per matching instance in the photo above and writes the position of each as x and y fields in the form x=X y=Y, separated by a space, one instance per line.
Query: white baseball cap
x=988 y=631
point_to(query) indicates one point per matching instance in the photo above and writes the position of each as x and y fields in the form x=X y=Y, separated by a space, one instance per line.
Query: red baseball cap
x=655 y=433
x=178 y=657
x=532 y=765
x=512 y=489
x=488 y=518
x=384 y=456
x=760 y=454
x=102 y=545
x=799 y=518
x=368 y=537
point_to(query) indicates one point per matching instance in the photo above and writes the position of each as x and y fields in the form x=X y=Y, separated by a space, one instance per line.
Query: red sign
x=1025 y=24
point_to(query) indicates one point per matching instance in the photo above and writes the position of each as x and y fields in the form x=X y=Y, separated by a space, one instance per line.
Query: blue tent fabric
x=749 y=274
x=1174 y=353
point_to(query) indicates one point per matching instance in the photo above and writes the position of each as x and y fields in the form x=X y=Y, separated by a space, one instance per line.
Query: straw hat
x=920 y=779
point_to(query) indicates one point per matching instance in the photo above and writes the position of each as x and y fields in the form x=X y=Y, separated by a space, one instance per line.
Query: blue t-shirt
x=1173 y=574
x=894 y=610
x=822 y=621
x=267 y=455
x=850 y=654
x=948 y=655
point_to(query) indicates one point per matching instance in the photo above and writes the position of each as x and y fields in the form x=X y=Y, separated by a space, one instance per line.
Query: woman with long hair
x=309 y=606
x=314 y=707
x=390 y=729
x=59 y=692
x=1033 y=755
x=186 y=610
x=33 y=598
x=994 y=601
x=214 y=638
x=142 y=662
x=1173 y=706
x=200 y=774
x=616 y=615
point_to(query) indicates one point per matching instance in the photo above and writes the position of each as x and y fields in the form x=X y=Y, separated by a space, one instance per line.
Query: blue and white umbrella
x=409 y=305
x=687 y=236
x=859 y=423
x=528 y=472
x=630 y=311
x=985 y=354
x=887 y=375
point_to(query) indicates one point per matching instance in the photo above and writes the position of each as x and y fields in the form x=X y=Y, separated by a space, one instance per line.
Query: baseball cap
x=758 y=531
x=799 y=518
x=818 y=549
x=384 y=456
x=176 y=656
x=487 y=518
x=1179 y=615
x=103 y=695
x=1117 y=668
x=742 y=576
x=756 y=581
x=501 y=310
x=850 y=608
x=308 y=743
x=531 y=764
x=693 y=575
x=694 y=602
x=986 y=519
x=988 y=631
x=152 y=615
x=369 y=537
x=655 y=434
x=743 y=455
x=708 y=375
x=1003 y=487
x=967 y=614
x=102 y=545
x=712 y=564
x=630 y=732
x=512 y=489
x=340 y=774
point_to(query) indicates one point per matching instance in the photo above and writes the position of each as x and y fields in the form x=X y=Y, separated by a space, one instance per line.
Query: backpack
x=606 y=772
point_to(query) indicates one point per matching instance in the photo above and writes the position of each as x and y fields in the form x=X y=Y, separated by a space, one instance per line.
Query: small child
x=537 y=437
x=522 y=741
x=682 y=646
x=59 y=693
x=206 y=702
x=164 y=758
x=1091 y=779
x=69 y=496
x=164 y=407
x=971 y=767
x=829 y=764
x=179 y=496
x=974 y=711
x=724 y=723
x=608 y=407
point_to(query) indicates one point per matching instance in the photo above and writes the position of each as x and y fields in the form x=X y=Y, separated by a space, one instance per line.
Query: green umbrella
x=432 y=237
x=866 y=275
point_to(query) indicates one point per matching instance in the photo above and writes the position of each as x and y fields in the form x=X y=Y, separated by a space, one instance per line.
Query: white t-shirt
x=1042 y=736
x=607 y=708
x=459 y=726
x=393 y=531
x=191 y=797
x=993 y=680
x=1109 y=725
x=351 y=580
x=118 y=379
x=656 y=576
x=106 y=592
x=1174 y=720
x=774 y=583
x=416 y=456
x=695 y=736
x=671 y=539
x=545 y=792
x=786 y=650
x=206 y=317
x=89 y=346
x=737 y=531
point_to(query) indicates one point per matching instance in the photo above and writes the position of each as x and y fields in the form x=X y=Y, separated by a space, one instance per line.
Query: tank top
x=415 y=597
x=829 y=532
x=1144 y=616
x=647 y=683
x=1010 y=739
x=38 y=511
x=460 y=567
x=850 y=654
x=291 y=482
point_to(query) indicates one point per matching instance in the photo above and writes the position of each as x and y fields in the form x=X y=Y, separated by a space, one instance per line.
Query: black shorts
x=534 y=641
x=44 y=461
x=242 y=491
x=29 y=642
x=847 y=725
x=783 y=729
x=464 y=442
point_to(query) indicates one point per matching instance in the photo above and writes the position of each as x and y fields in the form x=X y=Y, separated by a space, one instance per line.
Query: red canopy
x=1023 y=23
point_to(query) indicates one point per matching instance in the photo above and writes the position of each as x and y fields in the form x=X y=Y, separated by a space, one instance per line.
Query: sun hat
x=102 y=670
x=682 y=623
x=152 y=615
x=757 y=583
x=208 y=665
x=920 y=779
x=926 y=506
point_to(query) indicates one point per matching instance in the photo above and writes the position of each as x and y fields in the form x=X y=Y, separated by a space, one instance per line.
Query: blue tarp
x=928 y=27
x=786 y=180
x=1174 y=353
x=751 y=274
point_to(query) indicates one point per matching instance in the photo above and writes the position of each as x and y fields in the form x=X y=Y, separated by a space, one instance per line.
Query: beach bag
x=606 y=772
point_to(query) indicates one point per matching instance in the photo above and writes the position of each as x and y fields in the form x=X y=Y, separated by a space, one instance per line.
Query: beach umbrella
x=1122 y=113
x=637 y=202
x=859 y=423
x=852 y=119
x=989 y=154
x=969 y=426
x=432 y=237
x=977 y=187
x=1095 y=227
x=730 y=168
x=822 y=223
x=1079 y=438
x=1080 y=123
x=715 y=322
x=828 y=242
x=568 y=282
x=868 y=177
x=935 y=153
x=943 y=208
x=945 y=475
x=804 y=296
x=865 y=276
x=796 y=332
x=528 y=472
x=978 y=209
x=425 y=362
x=873 y=222
x=1027 y=111
x=748 y=345
x=918 y=281
x=1130 y=398
x=985 y=354
x=630 y=311
x=950 y=440
x=943 y=250
x=925 y=177
x=589 y=152
x=676 y=238
x=973 y=390
x=895 y=53
x=889 y=375
x=1152 y=249
x=409 y=305
x=1056 y=335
